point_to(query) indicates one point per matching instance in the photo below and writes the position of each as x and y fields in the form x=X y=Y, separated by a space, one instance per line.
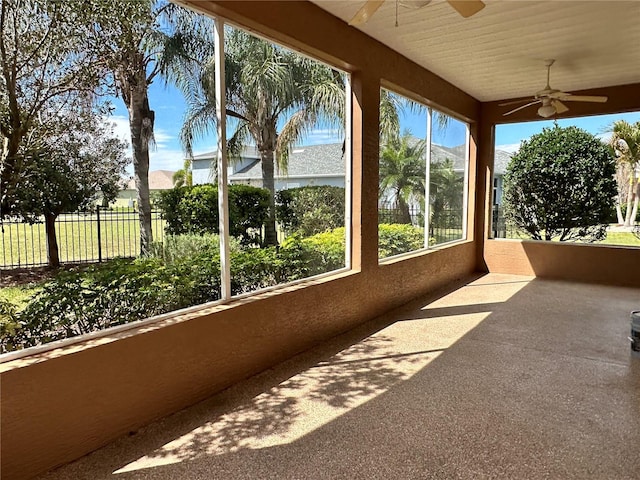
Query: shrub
x=9 y=325
x=114 y=293
x=394 y=239
x=310 y=210
x=560 y=185
x=175 y=248
x=194 y=210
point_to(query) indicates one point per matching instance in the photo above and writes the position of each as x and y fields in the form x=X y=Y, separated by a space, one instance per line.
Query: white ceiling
x=499 y=53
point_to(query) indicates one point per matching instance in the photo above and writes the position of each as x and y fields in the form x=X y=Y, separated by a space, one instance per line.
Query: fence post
x=99 y=234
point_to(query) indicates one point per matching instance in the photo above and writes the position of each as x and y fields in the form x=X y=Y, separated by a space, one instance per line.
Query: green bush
x=175 y=248
x=9 y=325
x=114 y=293
x=394 y=239
x=310 y=210
x=560 y=186
x=184 y=272
x=194 y=210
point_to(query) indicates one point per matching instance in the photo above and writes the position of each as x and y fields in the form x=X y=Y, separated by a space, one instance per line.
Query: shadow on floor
x=503 y=377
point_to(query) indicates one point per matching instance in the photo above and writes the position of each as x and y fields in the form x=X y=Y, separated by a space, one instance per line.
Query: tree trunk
x=268 y=182
x=141 y=119
x=403 y=211
x=632 y=202
x=52 y=242
x=619 y=214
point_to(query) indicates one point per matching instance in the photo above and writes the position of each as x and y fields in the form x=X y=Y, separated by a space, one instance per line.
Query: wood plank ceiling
x=499 y=53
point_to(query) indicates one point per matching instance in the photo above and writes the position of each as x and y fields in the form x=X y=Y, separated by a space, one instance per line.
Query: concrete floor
x=505 y=377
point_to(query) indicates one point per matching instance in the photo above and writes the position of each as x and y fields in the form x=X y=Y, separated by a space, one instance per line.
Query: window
x=423 y=154
x=589 y=198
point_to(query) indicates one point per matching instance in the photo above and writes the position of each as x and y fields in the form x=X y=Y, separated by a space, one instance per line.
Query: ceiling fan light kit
x=547 y=111
x=551 y=99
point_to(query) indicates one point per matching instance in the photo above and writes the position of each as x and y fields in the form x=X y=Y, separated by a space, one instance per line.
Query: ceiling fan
x=551 y=99
x=466 y=8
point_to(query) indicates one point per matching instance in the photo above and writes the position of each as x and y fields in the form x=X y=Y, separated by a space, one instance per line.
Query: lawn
x=621 y=238
x=24 y=245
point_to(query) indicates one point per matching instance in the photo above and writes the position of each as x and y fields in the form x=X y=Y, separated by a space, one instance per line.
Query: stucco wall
x=565 y=261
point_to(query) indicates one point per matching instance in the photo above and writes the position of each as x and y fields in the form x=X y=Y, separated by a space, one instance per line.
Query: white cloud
x=509 y=147
x=121 y=127
x=326 y=135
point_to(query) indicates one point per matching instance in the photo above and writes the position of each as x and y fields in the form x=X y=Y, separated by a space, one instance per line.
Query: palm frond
x=292 y=132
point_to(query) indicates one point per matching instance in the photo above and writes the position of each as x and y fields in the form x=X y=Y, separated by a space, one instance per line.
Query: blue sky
x=170 y=106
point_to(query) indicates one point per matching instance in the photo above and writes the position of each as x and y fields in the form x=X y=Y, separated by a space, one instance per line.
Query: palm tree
x=625 y=142
x=402 y=173
x=445 y=189
x=140 y=41
x=273 y=96
x=184 y=176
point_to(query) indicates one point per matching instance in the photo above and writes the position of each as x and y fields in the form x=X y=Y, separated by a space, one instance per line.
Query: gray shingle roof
x=500 y=162
x=310 y=161
x=327 y=159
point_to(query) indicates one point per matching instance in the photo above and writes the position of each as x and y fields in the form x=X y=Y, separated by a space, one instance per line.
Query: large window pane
x=449 y=162
x=402 y=175
x=287 y=152
x=570 y=209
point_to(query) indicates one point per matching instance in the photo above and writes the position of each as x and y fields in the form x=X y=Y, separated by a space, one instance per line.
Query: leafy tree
x=68 y=168
x=138 y=41
x=625 y=142
x=560 y=185
x=274 y=96
x=45 y=63
x=402 y=173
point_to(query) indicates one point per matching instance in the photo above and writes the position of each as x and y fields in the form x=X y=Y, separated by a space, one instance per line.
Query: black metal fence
x=500 y=228
x=82 y=237
x=445 y=225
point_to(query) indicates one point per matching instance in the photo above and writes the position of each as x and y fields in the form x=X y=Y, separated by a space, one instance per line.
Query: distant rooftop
x=158 y=180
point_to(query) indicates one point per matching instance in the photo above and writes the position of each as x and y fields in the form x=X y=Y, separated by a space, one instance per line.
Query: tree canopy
x=402 y=173
x=67 y=169
x=625 y=143
x=560 y=186
x=46 y=66
x=274 y=97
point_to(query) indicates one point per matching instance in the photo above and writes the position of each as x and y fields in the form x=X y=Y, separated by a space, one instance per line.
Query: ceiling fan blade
x=559 y=106
x=567 y=97
x=466 y=8
x=520 y=108
x=514 y=102
x=366 y=12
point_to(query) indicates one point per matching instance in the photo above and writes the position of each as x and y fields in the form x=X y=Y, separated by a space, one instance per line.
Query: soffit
x=499 y=53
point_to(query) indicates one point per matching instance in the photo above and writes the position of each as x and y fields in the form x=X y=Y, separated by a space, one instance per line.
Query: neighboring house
x=158 y=180
x=501 y=160
x=323 y=165
x=309 y=165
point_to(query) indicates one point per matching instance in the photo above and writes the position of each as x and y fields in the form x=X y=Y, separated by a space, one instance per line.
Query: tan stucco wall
x=576 y=262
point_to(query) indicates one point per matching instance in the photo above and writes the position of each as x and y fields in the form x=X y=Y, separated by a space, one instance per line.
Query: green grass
x=621 y=238
x=22 y=244
x=19 y=296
